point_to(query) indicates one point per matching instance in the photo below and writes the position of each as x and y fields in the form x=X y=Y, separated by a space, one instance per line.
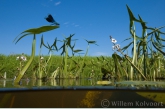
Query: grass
x=9 y=64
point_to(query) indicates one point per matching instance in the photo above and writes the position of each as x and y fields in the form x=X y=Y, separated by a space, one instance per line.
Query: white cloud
x=45 y=5
x=70 y=23
x=66 y=23
x=57 y=3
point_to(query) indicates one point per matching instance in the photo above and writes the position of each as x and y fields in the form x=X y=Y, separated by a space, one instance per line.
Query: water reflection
x=4 y=83
x=53 y=82
x=84 y=82
x=50 y=82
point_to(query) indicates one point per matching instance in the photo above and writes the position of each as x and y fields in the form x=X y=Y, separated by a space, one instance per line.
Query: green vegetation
x=10 y=64
x=147 y=61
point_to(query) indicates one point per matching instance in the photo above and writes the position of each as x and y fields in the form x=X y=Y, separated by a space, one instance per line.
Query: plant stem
x=82 y=63
x=134 y=52
x=135 y=67
x=66 y=61
x=20 y=75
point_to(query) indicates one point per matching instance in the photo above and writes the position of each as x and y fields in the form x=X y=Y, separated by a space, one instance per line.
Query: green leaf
x=154 y=44
x=40 y=29
x=73 y=45
x=75 y=62
x=161 y=32
x=127 y=39
x=102 y=57
x=124 y=48
x=22 y=72
x=131 y=16
x=155 y=30
x=36 y=31
x=143 y=24
x=158 y=37
x=42 y=43
x=78 y=50
x=115 y=56
x=21 y=37
x=68 y=40
x=139 y=44
x=49 y=47
x=98 y=58
x=54 y=44
x=63 y=50
x=91 y=42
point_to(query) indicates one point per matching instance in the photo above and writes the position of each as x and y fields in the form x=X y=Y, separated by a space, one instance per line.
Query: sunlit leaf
x=35 y=31
x=21 y=73
x=40 y=29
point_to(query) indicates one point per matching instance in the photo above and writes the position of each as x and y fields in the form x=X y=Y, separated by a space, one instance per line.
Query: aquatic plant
x=33 y=32
x=132 y=64
x=82 y=63
x=22 y=58
x=141 y=45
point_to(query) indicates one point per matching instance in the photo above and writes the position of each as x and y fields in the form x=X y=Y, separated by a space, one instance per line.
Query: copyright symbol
x=105 y=103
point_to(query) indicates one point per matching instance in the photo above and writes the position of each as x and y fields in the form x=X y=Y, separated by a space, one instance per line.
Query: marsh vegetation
x=147 y=61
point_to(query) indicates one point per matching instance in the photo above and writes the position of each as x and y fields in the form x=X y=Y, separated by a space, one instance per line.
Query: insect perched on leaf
x=51 y=20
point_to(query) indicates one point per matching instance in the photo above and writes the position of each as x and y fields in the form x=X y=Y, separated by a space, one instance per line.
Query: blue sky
x=87 y=19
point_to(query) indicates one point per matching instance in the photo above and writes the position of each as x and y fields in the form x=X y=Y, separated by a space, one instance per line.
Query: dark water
x=72 y=93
